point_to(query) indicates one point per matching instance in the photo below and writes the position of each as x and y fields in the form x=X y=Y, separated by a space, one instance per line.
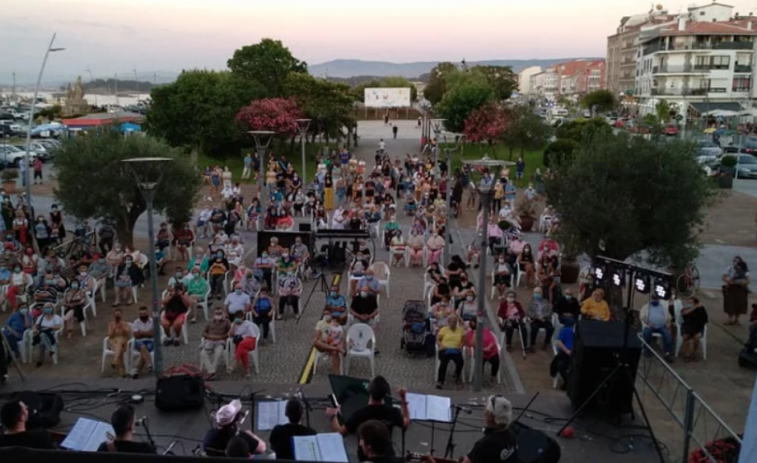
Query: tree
x=487 y=123
x=268 y=62
x=635 y=196
x=358 y=92
x=559 y=152
x=526 y=130
x=580 y=130
x=663 y=111
x=400 y=82
x=600 y=100
x=327 y=104
x=93 y=182
x=197 y=110
x=502 y=79
x=466 y=92
x=274 y=114
x=437 y=83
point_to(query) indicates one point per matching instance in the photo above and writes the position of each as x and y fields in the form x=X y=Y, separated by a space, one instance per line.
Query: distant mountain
x=347 y=68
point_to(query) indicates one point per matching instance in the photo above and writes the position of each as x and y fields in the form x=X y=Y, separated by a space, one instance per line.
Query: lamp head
x=303 y=124
x=262 y=137
x=147 y=171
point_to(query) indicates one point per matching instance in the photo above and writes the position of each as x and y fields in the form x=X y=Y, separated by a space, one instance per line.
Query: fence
x=697 y=424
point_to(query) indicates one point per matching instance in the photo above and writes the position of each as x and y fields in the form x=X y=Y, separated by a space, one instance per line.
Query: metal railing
x=65 y=250
x=742 y=68
x=658 y=383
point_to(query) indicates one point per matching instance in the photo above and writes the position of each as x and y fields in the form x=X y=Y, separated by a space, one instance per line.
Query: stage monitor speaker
x=305 y=227
x=180 y=392
x=598 y=348
x=44 y=408
x=535 y=446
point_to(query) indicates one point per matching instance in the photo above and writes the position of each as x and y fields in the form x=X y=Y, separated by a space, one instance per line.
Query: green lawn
x=533 y=159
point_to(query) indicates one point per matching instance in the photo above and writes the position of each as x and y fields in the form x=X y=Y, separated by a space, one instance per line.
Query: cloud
x=98 y=25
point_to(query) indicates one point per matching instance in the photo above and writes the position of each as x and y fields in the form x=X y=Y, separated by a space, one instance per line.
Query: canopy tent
x=710 y=107
x=103 y=119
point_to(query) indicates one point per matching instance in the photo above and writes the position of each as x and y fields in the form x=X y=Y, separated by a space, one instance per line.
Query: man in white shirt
x=290 y=289
x=202 y=221
x=142 y=331
x=227 y=192
x=237 y=301
x=382 y=146
x=234 y=251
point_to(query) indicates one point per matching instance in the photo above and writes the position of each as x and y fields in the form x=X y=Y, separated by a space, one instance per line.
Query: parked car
x=710 y=148
x=748 y=145
x=15 y=128
x=746 y=166
x=670 y=129
x=13 y=156
x=6 y=131
x=40 y=150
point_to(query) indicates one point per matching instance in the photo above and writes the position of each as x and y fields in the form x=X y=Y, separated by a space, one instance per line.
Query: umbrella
x=710 y=130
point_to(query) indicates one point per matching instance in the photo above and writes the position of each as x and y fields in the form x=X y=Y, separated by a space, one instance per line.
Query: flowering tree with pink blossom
x=275 y=114
x=487 y=123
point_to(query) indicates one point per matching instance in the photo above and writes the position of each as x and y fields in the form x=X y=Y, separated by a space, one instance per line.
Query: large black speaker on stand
x=598 y=348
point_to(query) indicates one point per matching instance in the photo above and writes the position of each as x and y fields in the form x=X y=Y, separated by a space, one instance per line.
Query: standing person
x=694 y=321
x=520 y=170
x=247 y=166
x=37 y=163
x=123 y=421
x=14 y=416
x=281 y=435
x=395 y=129
x=378 y=391
x=382 y=147
x=735 y=290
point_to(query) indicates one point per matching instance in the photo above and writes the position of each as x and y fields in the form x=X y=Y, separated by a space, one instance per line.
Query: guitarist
x=498 y=444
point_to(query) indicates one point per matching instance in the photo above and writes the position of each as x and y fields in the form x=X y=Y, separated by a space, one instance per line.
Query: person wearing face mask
x=237 y=301
x=299 y=251
x=286 y=263
x=390 y=230
x=525 y=263
x=142 y=331
x=567 y=305
x=655 y=318
x=185 y=238
x=364 y=307
x=98 y=269
x=468 y=307
x=434 y=247
x=44 y=330
x=127 y=275
x=539 y=315
x=86 y=282
x=179 y=277
x=491 y=353
x=176 y=304
x=17 y=285
x=595 y=307
x=242 y=333
x=199 y=261
x=263 y=311
x=115 y=256
x=74 y=301
x=213 y=345
x=197 y=289
x=119 y=332
x=217 y=271
x=47 y=291
x=337 y=305
x=289 y=291
x=450 y=341
x=322 y=341
x=265 y=263
x=464 y=289
x=42 y=233
x=164 y=237
x=502 y=276
x=15 y=327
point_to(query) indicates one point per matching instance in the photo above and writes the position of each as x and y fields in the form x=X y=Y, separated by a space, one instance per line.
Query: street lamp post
x=262 y=140
x=303 y=125
x=438 y=126
x=149 y=172
x=485 y=190
x=28 y=173
x=447 y=229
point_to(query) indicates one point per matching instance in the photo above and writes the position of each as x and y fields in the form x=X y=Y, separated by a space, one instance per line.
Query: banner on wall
x=387 y=97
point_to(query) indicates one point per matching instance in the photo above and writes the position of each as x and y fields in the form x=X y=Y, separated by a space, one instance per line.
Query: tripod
x=621 y=366
x=325 y=288
x=6 y=352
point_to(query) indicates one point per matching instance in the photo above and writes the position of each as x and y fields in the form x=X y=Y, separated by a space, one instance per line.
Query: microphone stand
x=450 y=450
x=147 y=432
x=252 y=408
x=308 y=408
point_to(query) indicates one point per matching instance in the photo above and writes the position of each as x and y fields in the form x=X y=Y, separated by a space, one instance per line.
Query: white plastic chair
x=361 y=342
x=184 y=332
x=271 y=326
x=107 y=352
x=28 y=335
x=132 y=354
x=473 y=361
x=351 y=319
x=405 y=251
x=383 y=274
x=102 y=285
x=702 y=341
x=519 y=274
x=253 y=354
x=494 y=286
x=205 y=305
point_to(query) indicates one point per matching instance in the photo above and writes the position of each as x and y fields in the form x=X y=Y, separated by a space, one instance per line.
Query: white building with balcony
x=546 y=84
x=701 y=63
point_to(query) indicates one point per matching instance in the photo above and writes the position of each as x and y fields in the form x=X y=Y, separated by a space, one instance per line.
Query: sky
x=111 y=37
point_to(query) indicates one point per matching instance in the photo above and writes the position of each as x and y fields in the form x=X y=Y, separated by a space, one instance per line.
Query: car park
x=13 y=156
x=709 y=148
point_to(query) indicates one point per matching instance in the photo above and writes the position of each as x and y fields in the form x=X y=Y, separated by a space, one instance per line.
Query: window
x=704 y=83
x=701 y=13
x=712 y=62
x=742 y=83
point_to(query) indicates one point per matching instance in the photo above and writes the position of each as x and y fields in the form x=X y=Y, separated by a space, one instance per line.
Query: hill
x=347 y=68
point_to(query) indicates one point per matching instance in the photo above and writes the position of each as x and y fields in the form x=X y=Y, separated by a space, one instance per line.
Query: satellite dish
x=659 y=7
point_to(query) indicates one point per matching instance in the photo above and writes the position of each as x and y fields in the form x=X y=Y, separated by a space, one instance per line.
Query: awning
x=708 y=107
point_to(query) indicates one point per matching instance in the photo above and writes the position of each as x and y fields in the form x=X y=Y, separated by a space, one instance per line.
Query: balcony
x=725 y=45
x=742 y=68
x=687 y=91
x=676 y=69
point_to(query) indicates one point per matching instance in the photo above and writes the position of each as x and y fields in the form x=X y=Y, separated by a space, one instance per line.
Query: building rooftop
x=707 y=28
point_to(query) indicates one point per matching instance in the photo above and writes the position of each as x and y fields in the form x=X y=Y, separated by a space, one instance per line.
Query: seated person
x=491 y=353
x=299 y=251
x=243 y=335
x=548 y=247
x=263 y=311
x=237 y=301
x=539 y=314
x=655 y=318
x=450 y=344
x=178 y=277
x=290 y=289
x=364 y=307
x=197 y=289
x=123 y=421
x=595 y=307
x=469 y=307
x=397 y=249
x=99 y=268
x=510 y=316
x=161 y=260
x=281 y=435
x=286 y=263
x=337 y=305
x=390 y=230
x=47 y=291
x=18 y=322
x=562 y=362
x=142 y=330
x=185 y=237
x=176 y=304
x=199 y=261
x=265 y=264
x=567 y=305
x=217 y=439
x=213 y=345
x=329 y=339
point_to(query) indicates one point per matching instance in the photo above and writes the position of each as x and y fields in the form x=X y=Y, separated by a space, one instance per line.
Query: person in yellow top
x=595 y=307
x=450 y=344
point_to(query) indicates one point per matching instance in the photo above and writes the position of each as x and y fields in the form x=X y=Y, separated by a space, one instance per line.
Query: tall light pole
x=438 y=126
x=148 y=173
x=262 y=140
x=303 y=125
x=447 y=229
x=28 y=172
x=485 y=189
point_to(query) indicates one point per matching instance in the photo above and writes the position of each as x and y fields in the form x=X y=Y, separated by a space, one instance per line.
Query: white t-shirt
x=382 y=145
x=237 y=302
x=244 y=329
x=44 y=322
x=141 y=327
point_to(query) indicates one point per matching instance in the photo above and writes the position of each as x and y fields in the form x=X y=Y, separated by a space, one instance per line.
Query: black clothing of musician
x=387 y=414
x=217 y=439
x=281 y=439
x=127 y=446
x=497 y=446
x=35 y=439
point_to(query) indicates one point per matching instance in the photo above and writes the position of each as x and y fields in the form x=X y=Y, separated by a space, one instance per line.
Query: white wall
x=711 y=12
x=524 y=79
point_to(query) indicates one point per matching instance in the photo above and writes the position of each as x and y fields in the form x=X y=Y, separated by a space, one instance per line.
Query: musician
x=281 y=435
x=14 y=416
x=375 y=442
x=377 y=409
x=498 y=444
x=217 y=439
x=123 y=421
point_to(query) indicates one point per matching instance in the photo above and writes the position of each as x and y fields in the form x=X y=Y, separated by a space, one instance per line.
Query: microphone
x=466 y=410
x=141 y=421
x=301 y=395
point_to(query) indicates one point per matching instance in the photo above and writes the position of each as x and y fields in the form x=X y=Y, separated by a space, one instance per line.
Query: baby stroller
x=415 y=327
x=410 y=207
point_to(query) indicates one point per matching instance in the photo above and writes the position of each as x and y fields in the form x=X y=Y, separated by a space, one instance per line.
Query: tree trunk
x=124 y=226
x=510 y=155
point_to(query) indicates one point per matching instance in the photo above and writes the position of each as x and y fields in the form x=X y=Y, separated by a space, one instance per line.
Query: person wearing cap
x=227 y=418
x=281 y=435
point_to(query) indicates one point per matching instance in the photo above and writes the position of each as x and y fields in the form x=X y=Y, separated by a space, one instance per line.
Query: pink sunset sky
x=117 y=36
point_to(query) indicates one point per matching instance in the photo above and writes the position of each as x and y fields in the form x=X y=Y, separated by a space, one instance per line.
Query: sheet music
x=306 y=448
x=270 y=414
x=416 y=405
x=438 y=408
x=331 y=446
x=87 y=435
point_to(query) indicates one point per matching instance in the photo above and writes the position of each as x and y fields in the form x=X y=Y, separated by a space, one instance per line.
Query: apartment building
x=701 y=62
x=545 y=84
x=524 y=78
x=622 y=49
x=570 y=78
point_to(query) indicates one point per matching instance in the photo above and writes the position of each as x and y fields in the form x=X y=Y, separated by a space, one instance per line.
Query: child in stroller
x=416 y=328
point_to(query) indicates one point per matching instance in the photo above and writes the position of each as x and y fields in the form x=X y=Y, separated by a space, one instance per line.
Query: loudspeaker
x=305 y=227
x=180 y=392
x=535 y=446
x=598 y=349
x=44 y=408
